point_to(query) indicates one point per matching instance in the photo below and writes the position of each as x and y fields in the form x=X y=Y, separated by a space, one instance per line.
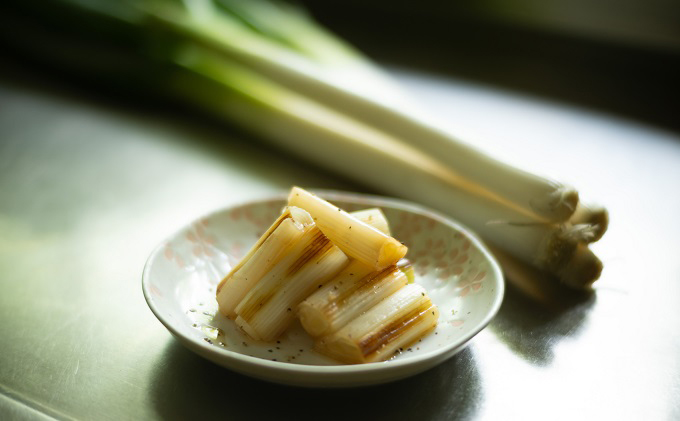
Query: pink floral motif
x=198 y=247
x=453 y=253
x=441 y=264
x=419 y=254
x=422 y=267
x=403 y=217
x=201 y=251
x=248 y=214
x=203 y=242
x=462 y=259
x=471 y=282
x=406 y=237
x=439 y=255
x=155 y=291
x=236 y=249
x=446 y=257
x=170 y=254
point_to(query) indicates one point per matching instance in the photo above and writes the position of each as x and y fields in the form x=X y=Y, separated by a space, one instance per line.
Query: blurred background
x=621 y=56
x=93 y=175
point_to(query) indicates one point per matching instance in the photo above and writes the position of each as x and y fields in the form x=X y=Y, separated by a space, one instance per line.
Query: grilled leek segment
x=357 y=239
x=342 y=275
x=266 y=252
x=347 y=296
x=373 y=217
x=267 y=310
x=270 y=248
x=390 y=326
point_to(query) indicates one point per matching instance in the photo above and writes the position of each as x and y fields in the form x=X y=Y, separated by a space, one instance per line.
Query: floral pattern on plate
x=181 y=276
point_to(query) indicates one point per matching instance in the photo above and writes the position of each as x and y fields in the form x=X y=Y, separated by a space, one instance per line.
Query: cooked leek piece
x=347 y=296
x=391 y=325
x=268 y=308
x=270 y=248
x=373 y=217
x=357 y=239
x=266 y=252
x=406 y=267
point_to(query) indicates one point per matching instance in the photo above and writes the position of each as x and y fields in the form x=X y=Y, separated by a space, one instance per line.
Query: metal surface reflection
x=89 y=187
x=531 y=329
x=186 y=386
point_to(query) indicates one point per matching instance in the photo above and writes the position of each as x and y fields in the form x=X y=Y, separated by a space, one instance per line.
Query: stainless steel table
x=88 y=187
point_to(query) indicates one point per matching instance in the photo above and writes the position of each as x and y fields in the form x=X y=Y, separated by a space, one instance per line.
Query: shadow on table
x=187 y=386
x=531 y=329
x=537 y=312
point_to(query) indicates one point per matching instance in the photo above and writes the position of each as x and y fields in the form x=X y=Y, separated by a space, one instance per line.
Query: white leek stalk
x=267 y=251
x=357 y=239
x=268 y=308
x=273 y=71
x=594 y=219
x=364 y=154
x=347 y=296
x=407 y=269
x=270 y=247
x=476 y=171
x=373 y=217
x=393 y=324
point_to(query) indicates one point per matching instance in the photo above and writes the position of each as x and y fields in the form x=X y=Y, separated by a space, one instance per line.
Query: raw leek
x=477 y=171
x=266 y=66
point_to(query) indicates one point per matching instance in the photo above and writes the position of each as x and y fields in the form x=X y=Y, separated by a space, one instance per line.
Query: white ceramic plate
x=180 y=277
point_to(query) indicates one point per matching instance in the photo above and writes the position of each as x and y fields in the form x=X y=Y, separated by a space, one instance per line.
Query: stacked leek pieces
x=267 y=67
x=341 y=274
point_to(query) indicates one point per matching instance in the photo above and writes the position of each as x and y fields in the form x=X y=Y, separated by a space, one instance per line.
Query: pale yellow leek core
x=354 y=237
